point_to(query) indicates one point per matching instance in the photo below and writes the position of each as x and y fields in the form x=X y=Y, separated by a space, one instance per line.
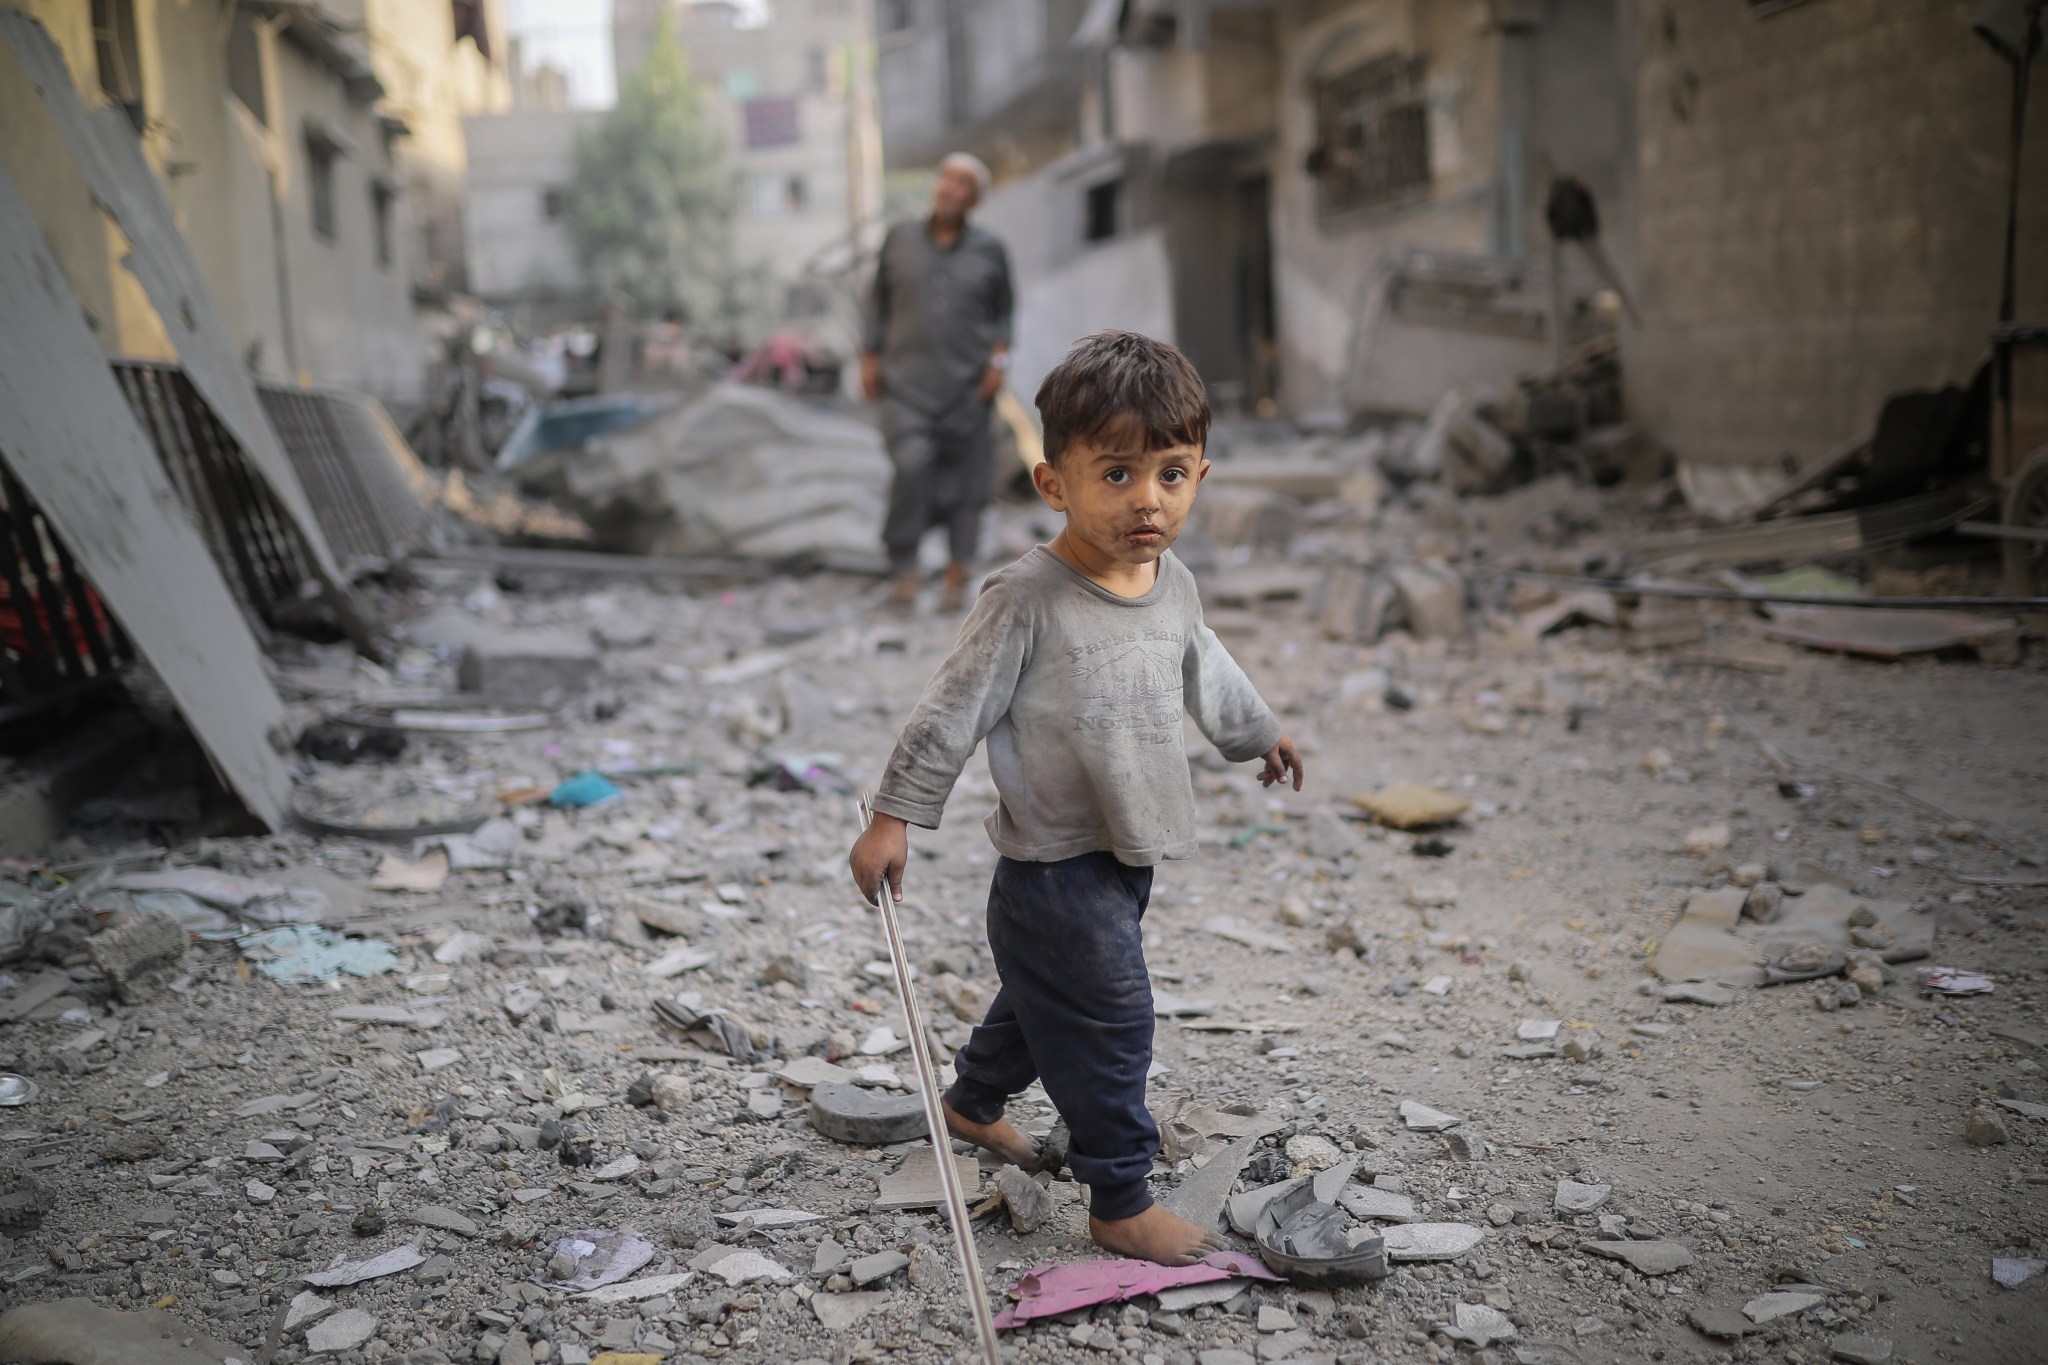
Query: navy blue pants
x=1075 y=1012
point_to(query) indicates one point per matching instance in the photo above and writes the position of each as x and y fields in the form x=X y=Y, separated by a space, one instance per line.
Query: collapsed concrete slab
x=742 y=471
x=69 y=436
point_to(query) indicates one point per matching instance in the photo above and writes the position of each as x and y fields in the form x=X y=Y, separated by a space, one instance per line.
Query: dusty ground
x=1777 y=1141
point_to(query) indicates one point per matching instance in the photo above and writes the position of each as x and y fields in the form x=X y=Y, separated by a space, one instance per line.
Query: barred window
x=1372 y=136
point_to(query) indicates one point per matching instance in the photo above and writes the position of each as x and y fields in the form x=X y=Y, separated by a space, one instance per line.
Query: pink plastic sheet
x=1047 y=1290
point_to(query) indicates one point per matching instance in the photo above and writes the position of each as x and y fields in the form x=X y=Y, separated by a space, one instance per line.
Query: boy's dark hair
x=1124 y=386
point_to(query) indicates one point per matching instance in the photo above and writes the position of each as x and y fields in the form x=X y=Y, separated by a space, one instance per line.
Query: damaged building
x=1340 y=206
x=290 y=164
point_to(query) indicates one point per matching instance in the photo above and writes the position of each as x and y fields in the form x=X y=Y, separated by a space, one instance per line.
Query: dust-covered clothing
x=1079 y=1020
x=944 y=477
x=936 y=315
x=1079 y=694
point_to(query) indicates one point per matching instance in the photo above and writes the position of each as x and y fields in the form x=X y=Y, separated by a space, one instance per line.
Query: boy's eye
x=1174 y=474
x=1118 y=476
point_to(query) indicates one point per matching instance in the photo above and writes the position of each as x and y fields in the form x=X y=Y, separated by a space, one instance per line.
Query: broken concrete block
x=880 y=1266
x=535 y=667
x=1249 y=516
x=1028 y=1202
x=1354 y=605
x=967 y=1000
x=916 y=1183
x=1432 y=598
x=139 y=954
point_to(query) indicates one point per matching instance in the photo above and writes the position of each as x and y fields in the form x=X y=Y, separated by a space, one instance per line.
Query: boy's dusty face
x=1125 y=505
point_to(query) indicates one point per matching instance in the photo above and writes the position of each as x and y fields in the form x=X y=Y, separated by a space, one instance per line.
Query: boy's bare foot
x=1000 y=1137
x=903 y=592
x=1157 y=1234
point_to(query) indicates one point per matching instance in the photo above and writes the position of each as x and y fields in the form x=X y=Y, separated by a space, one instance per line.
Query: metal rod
x=1994 y=530
x=934 y=1115
x=1630 y=588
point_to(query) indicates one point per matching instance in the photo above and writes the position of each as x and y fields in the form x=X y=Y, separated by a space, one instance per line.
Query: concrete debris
x=743 y=472
x=1237 y=931
x=80 y=1332
x=535 y=667
x=1028 y=1203
x=139 y=955
x=1423 y=1119
x=345 y=1272
x=1984 y=1128
x=1432 y=599
x=1202 y=1195
x=1648 y=1257
x=837 y=1312
x=1480 y=1325
x=915 y=1184
x=1770 y=1307
x=1858 y=1348
x=343 y=1331
x=1574 y=1198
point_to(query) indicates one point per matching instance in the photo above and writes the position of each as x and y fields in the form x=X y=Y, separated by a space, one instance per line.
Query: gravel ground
x=230 y=1135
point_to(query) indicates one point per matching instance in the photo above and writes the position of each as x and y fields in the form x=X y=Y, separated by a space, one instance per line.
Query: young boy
x=1076 y=665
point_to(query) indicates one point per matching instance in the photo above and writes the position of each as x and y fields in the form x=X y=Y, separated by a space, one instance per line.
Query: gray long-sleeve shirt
x=1079 y=693
x=935 y=315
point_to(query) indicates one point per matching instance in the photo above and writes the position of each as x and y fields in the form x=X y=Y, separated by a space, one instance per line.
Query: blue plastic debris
x=584 y=789
x=297 y=953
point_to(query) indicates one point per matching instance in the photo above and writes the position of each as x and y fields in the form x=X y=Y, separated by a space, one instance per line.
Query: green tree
x=651 y=207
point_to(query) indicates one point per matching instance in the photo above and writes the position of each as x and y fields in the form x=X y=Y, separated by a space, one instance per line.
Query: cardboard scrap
x=1411 y=806
x=1047 y=1290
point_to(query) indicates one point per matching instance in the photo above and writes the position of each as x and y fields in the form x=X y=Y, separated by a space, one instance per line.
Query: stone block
x=534 y=667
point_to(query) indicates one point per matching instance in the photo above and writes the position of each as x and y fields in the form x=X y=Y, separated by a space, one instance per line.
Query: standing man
x=937 y=347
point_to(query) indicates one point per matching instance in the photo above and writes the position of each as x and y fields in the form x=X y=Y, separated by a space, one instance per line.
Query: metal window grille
x=56 y=637
x=249 y=535
x=356 y=470
x=1373 y=134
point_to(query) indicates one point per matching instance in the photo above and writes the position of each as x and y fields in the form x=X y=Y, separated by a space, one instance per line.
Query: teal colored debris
x=296 y=953
x=584 y=789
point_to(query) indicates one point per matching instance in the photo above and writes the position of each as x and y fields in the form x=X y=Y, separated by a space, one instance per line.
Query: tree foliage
x=651 y=207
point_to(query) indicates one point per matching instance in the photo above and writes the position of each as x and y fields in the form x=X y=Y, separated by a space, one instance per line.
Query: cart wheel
x=2026 y=507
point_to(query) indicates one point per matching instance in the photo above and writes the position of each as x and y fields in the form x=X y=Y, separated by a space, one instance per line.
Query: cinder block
x=537 y=667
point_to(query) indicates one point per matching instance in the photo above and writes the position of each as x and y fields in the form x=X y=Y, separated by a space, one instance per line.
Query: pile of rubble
x=742 y=471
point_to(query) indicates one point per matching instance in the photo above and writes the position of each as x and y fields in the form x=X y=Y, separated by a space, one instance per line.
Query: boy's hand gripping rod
x=934 y=1116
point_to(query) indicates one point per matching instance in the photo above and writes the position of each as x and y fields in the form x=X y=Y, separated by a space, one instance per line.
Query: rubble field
x=1646 y=1169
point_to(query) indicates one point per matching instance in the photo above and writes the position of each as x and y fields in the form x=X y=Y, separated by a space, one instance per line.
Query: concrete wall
x=1328 y=274
x=1821 y=198
x=514 y=249
x=432 y=81
x=1125 y=283
x=294 y=304
x=86 y=245
x=350 y=316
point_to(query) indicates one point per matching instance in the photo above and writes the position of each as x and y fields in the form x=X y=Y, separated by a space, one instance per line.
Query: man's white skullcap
x=973 y=165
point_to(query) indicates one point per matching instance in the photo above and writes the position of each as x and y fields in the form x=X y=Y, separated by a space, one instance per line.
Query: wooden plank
x=69 y=436
x=110 y=156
